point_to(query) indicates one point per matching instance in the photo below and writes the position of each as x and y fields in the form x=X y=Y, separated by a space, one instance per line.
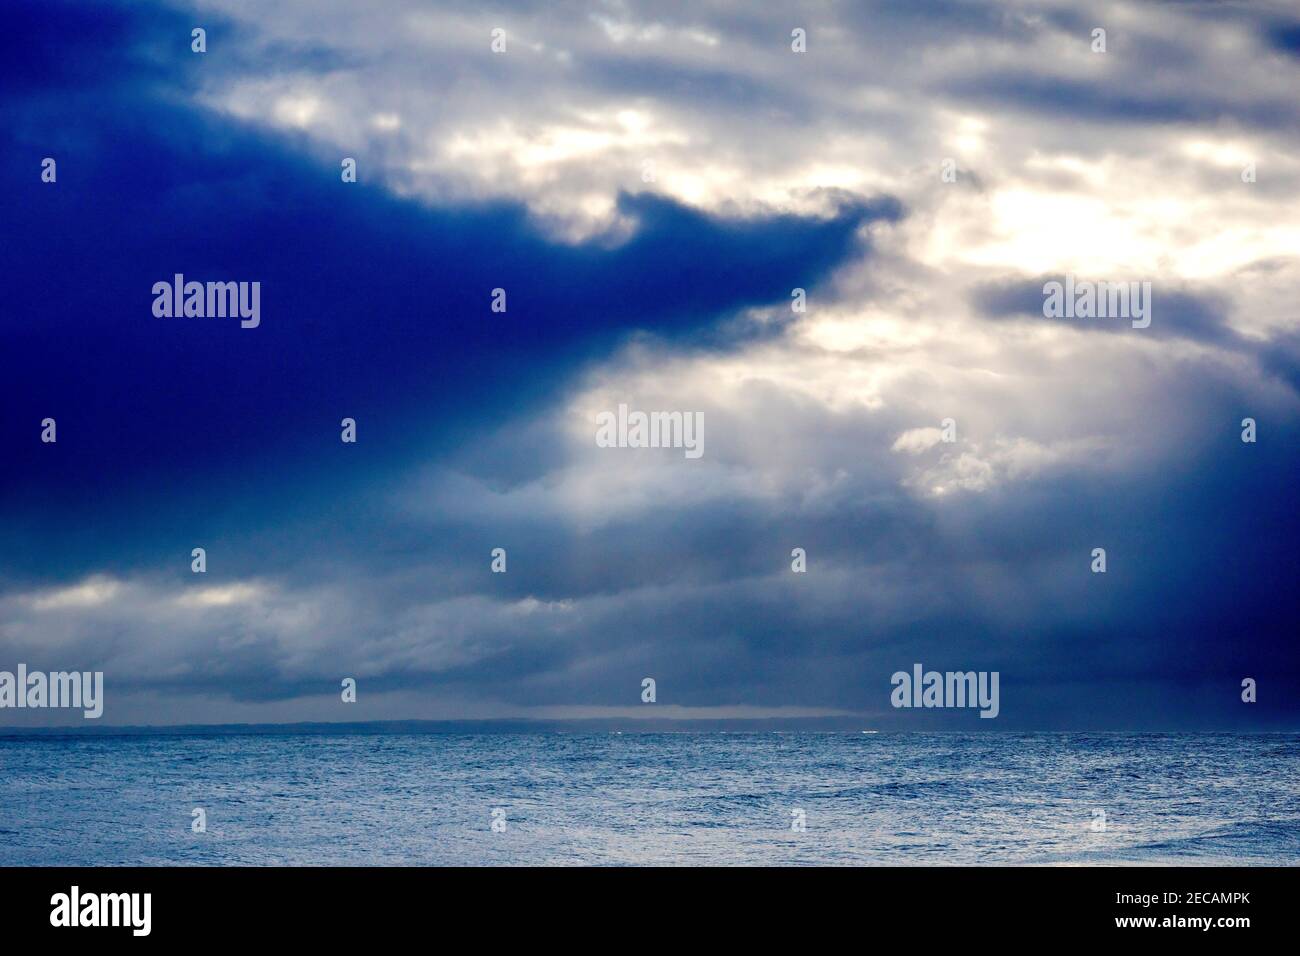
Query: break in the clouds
x=649 y=184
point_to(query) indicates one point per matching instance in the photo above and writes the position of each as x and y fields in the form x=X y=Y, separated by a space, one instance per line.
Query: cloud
x=769 y=171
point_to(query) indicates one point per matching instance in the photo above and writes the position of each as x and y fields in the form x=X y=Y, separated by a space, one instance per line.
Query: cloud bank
x=650 y=184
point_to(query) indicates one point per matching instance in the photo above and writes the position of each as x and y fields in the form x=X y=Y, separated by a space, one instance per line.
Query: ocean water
x=725 y=799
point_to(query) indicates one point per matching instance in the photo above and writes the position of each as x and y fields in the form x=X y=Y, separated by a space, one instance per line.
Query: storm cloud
x=650 y=184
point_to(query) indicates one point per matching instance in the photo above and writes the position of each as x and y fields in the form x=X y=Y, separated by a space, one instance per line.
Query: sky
x=649 y=182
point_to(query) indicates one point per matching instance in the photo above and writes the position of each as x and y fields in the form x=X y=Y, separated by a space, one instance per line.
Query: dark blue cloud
x=1177 y=310
x=372 y=307
x=1114 y=102
x=1285 y=36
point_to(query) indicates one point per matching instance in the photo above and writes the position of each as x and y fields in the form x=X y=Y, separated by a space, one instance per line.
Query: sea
x=768 y=799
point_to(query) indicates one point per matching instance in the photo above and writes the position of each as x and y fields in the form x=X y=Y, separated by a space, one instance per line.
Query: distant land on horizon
x=576 y=726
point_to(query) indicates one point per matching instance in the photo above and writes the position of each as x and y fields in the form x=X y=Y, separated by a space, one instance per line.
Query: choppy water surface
x=651 y=799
